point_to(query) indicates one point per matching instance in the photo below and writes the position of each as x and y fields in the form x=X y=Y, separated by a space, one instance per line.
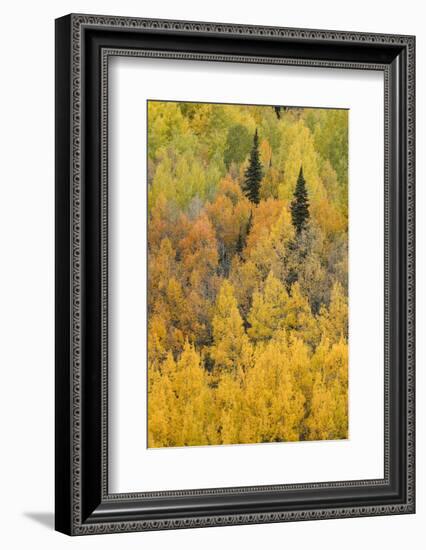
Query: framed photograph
x=234 y=274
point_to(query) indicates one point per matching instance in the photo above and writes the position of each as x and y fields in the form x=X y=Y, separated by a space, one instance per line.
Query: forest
x=247 y=274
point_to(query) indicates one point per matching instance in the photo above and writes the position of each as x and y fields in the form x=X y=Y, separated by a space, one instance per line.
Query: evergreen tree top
x=254 y=172
x=300 y=204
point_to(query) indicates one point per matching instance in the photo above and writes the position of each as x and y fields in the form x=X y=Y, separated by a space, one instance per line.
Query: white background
x=132 y=81
x=26 y=300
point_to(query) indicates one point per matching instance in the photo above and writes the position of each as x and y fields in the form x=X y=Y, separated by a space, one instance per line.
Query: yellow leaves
x=244 y=277
x=231 y=189
x=161 y=266
x=157 y=340
x=229 y=403
x=269 y=238
x=273 y=404
x=333 y=322
x=282 y=230
x=330 y=218
x=229 y=338
x=298 y=314
x=274 y=309
x=165 y=123
x=300 y=151
x=284 y=394
x=179 y=401
x=248 y=323
x=265 y=153
x=264 y=216
x=269 y=309
x=331 y=140
x=328 y=418
x=270 y=184
x=222 y=215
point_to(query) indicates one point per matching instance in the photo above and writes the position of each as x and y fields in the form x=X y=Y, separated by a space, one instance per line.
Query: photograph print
x=247 y=274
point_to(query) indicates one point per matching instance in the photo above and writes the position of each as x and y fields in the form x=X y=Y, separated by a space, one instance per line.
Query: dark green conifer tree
x=254 y=173
x=300 y=204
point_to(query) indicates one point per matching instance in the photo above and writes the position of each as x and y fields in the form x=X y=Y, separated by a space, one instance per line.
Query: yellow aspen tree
x=288 y=409
x=179 y=402
x=157 y=341
x=299 y=318
x=300 y=364
x=329 y=179
x=329 y=217
x=245 y=279
x=265 y=214
x=331 y=141
x=230 y=342
x=179 y=316
x=161 y=267
x=269 y=250
x=163 y=184
x=162 y=416
x=229 y=407
x=268 y=311
x=165 y=121
x=333 y=322
x=265 y=153
x=270 y=184
x=320 y=422
x=231 y=189
x=331 y=359
x=192 y=399
x=247 y=324
x=229 y=220
x=328 y=418
x=158 y=226
x=273 y=404
x=302 y=152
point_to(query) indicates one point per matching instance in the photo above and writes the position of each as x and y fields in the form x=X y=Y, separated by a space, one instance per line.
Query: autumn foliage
x=247 y=288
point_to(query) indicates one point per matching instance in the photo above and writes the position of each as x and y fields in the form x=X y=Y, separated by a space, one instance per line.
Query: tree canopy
x=247 y=274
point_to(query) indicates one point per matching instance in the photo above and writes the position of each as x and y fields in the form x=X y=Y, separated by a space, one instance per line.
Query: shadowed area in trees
x=247 y=274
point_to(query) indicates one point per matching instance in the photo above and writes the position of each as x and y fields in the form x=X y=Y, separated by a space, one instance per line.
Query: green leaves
x=238 y=144
x=247 y=274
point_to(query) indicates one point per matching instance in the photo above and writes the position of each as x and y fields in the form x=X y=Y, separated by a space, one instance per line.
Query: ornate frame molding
x=71 y=32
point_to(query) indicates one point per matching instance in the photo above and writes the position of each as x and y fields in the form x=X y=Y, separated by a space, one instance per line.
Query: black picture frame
x=83 y=46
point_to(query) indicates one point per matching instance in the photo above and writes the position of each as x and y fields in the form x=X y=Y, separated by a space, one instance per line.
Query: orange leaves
x=241 y=357
x=330 y=218
x=221 y=214
x=229 y=214
x=231 y=189
x=264 y=216
x=269 y=237
x=248 y=322
x=199 y=257
x=199 y=244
